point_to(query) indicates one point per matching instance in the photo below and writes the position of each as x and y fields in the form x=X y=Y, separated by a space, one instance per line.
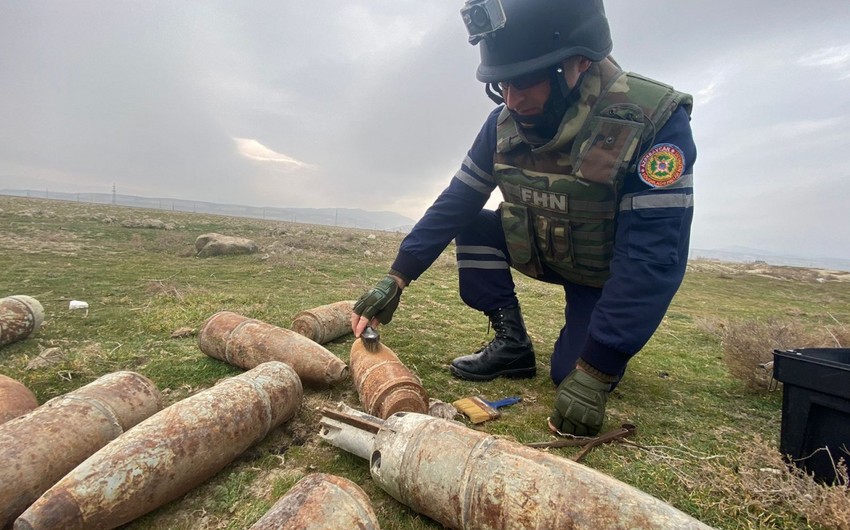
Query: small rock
x=48 y=357
x=441 y=409
x=180 y=333
x=213 y=244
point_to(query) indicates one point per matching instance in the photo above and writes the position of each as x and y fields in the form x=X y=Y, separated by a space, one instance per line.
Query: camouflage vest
x=561 y=198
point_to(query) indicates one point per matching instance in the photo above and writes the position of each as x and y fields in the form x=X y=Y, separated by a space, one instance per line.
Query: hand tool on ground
x=478 y=410
x=587 y=444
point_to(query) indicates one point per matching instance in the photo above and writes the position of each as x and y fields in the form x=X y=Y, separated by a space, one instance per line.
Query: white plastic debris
x=79 y=304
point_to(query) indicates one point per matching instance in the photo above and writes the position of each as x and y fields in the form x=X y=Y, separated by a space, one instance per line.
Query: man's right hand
x=377 y=305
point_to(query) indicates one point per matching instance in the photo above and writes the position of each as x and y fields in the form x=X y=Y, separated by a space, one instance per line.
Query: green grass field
x=700 y=433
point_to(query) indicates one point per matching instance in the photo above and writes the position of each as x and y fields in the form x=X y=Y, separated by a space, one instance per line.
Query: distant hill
x=738 y=254
x=387 y=221
x=349 y=217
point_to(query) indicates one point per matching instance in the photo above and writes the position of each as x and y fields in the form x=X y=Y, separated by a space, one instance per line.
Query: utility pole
x=113 y=193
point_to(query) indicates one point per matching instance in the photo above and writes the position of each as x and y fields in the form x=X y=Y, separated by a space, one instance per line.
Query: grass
x=696 y=424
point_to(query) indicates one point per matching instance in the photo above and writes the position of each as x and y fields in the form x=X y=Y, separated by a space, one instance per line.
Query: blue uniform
x=604 y=326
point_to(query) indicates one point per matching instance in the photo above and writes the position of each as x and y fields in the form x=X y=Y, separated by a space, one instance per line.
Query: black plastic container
x=815 y=407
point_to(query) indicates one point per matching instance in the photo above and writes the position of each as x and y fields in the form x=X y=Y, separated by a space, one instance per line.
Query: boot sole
x=517 y=373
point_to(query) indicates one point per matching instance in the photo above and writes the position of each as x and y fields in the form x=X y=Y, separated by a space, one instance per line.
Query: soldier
x=595 y=167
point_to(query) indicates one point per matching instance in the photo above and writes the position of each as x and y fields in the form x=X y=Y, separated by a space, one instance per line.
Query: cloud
x=250 y=148
x=833 y=57
x=378 y=35
x=709 y=92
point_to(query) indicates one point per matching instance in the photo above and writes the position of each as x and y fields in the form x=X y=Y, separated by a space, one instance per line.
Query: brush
x=479 y=410
x=371 y=339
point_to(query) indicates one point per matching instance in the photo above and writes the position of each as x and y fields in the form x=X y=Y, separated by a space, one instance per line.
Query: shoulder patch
x=662 y=165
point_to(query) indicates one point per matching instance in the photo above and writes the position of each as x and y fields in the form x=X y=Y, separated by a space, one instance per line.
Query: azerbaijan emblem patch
x=662 y=165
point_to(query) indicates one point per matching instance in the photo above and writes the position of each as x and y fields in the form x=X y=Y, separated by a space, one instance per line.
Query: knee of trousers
x=484 y=289
x=484 y=230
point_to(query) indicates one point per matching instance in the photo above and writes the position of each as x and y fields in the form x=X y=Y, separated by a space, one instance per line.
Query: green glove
x=580 y=404
x=380 y=301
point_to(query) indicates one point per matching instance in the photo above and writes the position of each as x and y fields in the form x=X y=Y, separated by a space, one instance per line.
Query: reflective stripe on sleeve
x=475 y=177
x=656 y=200
x=474 y=183
x=486 y=177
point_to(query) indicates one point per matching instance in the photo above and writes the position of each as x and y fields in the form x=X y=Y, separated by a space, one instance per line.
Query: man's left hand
x=580 y=404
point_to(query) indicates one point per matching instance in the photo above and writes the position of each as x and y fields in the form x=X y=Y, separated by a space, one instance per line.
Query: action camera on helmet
x=482 y=17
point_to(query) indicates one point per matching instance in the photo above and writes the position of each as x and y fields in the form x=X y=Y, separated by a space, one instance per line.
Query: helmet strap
x=561 y=98
x=557 y=106
x=494 y=93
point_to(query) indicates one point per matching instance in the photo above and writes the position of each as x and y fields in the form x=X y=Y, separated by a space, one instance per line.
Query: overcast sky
x=373 y=104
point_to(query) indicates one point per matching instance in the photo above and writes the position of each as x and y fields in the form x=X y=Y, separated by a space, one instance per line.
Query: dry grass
x=762 y=482
x=748 y=345
x=165 y=288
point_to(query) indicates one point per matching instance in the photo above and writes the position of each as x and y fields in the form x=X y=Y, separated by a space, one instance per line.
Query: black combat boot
x=509 y=354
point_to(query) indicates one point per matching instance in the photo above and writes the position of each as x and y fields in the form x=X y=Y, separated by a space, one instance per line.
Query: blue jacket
x=650 y=248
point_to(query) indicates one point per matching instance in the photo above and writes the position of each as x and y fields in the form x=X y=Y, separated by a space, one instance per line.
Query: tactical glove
x=580 y=404
x=380 y=301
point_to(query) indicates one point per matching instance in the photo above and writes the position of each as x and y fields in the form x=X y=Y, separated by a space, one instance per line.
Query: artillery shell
x=467 y=479
x=168 y=454
x=246 y=343
x=385 y=385
x=324 y=323
x=20 y=316
x=40 y=447
x=321 y=502
x=15 y=399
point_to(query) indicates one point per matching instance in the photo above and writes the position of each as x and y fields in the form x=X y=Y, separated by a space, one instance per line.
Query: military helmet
x=518 y=37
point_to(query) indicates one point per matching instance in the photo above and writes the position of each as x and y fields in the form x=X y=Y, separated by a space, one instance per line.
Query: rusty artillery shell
x=40 y=447
x=321 y=502
x=467 y=479
x=324 y=323
x=168 y=454
x=246 y=343
x=20 y=316
x=15 y=399
x=385 y=385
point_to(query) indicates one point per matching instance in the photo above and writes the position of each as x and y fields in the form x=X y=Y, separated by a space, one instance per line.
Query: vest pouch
x=519 y=238
x=541 y=231
x=610 y=147
x=562 y=243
